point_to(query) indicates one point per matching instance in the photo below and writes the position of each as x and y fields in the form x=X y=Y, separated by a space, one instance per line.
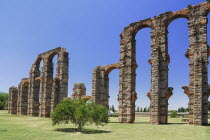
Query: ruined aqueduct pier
x=197 y=53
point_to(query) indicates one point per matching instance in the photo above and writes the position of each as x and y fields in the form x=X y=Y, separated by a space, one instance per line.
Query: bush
x=113 y=115
x=174 y=114
x=3 y=101
x=80 y=113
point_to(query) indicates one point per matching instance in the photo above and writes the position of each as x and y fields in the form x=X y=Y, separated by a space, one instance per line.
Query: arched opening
x=178 y=43
x=143 y=74
x=54 y=82
x=53 y=60
x=113 y=90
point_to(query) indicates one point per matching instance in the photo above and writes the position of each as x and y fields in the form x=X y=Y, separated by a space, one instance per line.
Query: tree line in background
x=3 y=101
x=145 y=109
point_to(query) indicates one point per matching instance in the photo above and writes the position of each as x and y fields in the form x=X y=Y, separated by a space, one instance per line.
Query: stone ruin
x=38 y=94
x=197 y=53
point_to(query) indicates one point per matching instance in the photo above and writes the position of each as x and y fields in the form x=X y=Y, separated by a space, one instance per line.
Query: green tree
x=3 y=101
x=145 y=109
x=174 y=113
x=80 y=113
x=182 y=109
x=113 y=109
x=148 y=109
x=141 y=109
x=137 y=109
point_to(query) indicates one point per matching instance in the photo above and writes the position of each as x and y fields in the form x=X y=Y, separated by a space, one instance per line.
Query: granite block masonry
x=41 y=92
x=159 y=94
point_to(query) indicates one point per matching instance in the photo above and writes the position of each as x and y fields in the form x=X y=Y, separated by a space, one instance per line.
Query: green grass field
x=14 y=127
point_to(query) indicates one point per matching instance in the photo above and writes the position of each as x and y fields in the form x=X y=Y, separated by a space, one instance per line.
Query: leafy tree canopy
x=80 y=113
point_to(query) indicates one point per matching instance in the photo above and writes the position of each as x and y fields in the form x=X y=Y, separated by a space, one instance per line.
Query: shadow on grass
x=84 y=131
x=175 y=124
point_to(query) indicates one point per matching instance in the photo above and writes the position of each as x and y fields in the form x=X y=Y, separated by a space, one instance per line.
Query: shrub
x=80 y=113
x=174 y=113
x=113 y=115
x=3 y=101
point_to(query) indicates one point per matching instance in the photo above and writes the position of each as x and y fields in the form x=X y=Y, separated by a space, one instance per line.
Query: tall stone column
x=22 y=105
x=198 y=56
x=46 y=88
x=159 y=75
x=34 y=90
x=55 y=93
x=12 y=105
x=100 y=86
x=127 y=94
x=62 y=73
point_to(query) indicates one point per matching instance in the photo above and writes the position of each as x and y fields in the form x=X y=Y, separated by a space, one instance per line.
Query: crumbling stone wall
x=79 y=90
x=40 y=93
x=12 y=100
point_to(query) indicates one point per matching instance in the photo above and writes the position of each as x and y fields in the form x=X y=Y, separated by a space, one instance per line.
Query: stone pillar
x=63 y=73
x=198 y=56
x=190 y=104
x=159 y=75
x=34 y=90
x=79 y=90
x=55 y=93
x=100 y=86
x=12 y=104
x=127 y=94
x=46 y=88
x=22 y=105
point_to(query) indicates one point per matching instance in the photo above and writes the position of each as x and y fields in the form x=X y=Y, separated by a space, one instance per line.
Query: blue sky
x=89 y=30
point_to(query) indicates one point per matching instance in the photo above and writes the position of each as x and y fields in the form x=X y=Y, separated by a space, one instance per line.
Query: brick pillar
x=79 y=90
x=12 y=105
x=46 y=88
x=22 y=105
x=100 y=86
x=127 y=94
x=55 y=93
x=160 y=60
x=63 y=73
x=190 y=104
x=198 y=56
x=34 y=90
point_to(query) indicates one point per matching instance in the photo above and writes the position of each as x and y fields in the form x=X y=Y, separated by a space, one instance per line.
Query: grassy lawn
x=32 y=128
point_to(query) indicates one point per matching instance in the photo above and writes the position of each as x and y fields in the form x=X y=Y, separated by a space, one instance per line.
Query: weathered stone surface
x=12 y=100
x=198 y=53
x=22 y=104
x=40 y=93
x=79 y=90
x=100 y=83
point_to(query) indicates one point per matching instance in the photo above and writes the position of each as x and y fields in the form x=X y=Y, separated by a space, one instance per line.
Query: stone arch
x=176 y=15
x=34 y=87
x=100 y=83
x=183 y=14
x=127 y=92
x=55 y=89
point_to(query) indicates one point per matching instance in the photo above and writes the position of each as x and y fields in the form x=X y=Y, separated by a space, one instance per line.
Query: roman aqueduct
x=38 y=94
